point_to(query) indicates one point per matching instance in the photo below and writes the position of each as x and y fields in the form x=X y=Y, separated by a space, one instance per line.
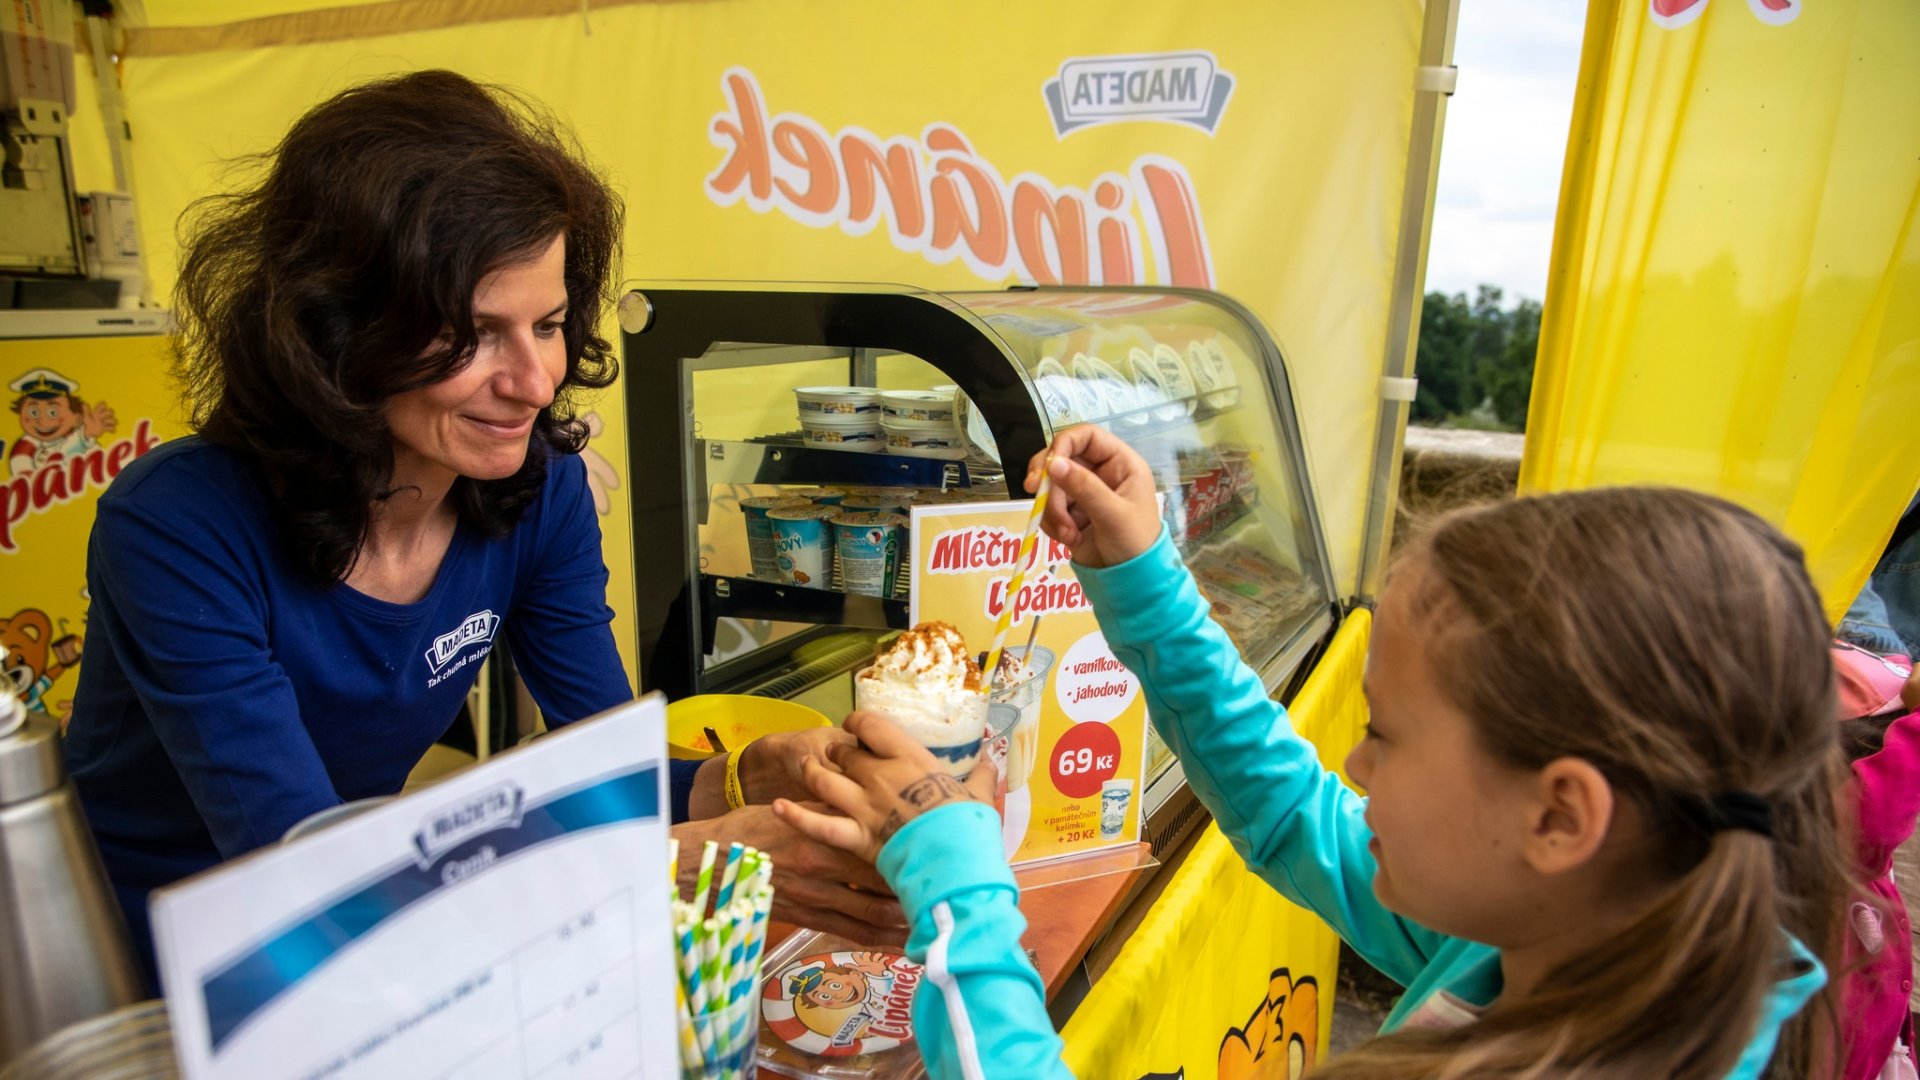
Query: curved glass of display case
x=749 y=401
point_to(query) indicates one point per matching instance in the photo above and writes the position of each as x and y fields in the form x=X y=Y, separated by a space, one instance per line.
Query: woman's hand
x=880 y=784
x=1102 y=505
x=814 y=885
x=770 y=768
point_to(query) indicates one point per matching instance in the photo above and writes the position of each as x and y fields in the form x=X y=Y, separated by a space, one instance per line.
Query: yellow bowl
x=737 y=718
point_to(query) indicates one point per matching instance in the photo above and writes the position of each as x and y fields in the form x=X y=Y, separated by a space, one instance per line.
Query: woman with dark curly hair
x=381 y=339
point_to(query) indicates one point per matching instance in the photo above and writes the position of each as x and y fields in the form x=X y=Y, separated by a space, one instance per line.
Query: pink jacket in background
x=1887 y=797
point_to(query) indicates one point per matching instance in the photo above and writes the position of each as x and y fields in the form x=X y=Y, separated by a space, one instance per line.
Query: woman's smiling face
x=476 y=422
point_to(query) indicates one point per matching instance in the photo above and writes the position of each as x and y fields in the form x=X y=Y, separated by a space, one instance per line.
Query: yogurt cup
x=1116 y=393
x=1089 y=405
x=889 y=500
x=843 y=432
x=1176 y=376
x=868 y=545
x=803 y=544
x=924 y=438
x=1213 y=374
x=952 y=731
x=821 y=496
x=817 y=401
x=917 y=405
x=760 y=532
x=1151 y=390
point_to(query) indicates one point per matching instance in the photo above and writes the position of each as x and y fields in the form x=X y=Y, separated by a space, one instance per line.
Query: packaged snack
x=832 y=1009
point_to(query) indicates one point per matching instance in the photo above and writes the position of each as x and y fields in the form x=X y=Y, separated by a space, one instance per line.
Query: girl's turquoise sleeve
x=1293 y=822
x=982 y=1011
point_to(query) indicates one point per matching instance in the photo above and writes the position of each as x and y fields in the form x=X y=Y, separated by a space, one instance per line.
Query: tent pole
x=1434 y=84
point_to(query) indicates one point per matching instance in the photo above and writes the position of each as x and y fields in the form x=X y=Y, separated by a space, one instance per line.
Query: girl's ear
x=1572 y=814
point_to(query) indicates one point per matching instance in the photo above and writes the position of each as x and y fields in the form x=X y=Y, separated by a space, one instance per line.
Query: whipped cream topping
x=1013 y=670
x=929 y=661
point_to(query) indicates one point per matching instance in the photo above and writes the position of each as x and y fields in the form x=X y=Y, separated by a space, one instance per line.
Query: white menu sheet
x=511 y=921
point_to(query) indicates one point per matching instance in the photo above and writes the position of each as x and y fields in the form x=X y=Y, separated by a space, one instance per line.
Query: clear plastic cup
x=953 y=735
x=1024 y=746
x=1001 y=719
x=728 y=1040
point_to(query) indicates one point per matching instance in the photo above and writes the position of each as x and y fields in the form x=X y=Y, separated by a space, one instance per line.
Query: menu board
x=507 y=922
x=1074 y=730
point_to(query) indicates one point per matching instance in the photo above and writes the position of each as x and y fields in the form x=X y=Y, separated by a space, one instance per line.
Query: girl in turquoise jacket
x=1598 y=840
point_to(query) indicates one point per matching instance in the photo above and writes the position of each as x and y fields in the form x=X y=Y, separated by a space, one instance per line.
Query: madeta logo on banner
x=943 y=201
x=1177 y=88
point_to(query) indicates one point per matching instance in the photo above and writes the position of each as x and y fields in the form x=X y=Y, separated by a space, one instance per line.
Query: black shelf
x=751 y=598
x=789 y=460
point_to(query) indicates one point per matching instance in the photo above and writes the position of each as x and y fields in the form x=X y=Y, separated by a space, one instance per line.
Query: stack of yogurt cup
x=808 y=536
x=922 y=423
x=841 y=417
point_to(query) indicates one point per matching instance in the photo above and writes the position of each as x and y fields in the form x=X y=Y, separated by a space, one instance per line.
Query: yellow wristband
x=736 y=796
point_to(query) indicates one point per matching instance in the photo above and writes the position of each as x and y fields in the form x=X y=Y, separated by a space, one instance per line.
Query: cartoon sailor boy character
x=54 y=422
x=863 y=979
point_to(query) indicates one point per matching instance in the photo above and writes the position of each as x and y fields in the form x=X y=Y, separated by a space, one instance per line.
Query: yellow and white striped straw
x=1029 y=542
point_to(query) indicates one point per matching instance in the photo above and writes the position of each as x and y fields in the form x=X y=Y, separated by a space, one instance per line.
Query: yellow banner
x=1734 y=299
x=1076 y=725
x=1258 y=149
x=79 y=411
x=1224 y=978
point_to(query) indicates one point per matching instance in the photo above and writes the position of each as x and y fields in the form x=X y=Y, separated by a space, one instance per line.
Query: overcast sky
x=1505 y=137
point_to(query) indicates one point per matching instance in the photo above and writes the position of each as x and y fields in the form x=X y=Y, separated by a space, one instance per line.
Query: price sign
x=1087 y=756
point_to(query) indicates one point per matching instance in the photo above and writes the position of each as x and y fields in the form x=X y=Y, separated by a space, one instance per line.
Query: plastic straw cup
x=1001 y=720
x=1024 y=743
x=734 y=1034
x=951 y=731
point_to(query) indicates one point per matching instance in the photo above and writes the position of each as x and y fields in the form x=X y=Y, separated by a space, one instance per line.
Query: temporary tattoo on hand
x=893 y=824
x=932 y=790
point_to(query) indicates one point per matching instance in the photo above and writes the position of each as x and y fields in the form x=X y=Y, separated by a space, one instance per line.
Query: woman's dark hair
x=345 y=275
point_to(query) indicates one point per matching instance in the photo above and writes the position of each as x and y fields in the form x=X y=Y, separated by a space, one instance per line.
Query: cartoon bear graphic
x=34 y=658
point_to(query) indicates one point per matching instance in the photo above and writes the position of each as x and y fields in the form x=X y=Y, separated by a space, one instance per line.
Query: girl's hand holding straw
x=1103 y=504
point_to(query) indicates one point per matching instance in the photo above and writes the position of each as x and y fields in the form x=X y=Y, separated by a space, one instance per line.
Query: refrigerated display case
x=1188 y=378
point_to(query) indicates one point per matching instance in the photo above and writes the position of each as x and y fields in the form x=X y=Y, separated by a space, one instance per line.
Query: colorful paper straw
x=1029 y=544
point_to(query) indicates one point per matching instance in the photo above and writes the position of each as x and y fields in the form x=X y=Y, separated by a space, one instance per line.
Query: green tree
x=1475 y=358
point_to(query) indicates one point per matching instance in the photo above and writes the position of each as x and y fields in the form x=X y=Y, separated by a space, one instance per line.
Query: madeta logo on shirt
x=477 y=629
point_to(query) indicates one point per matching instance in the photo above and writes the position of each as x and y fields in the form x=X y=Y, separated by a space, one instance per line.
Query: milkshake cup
x=803 y=544
x=999 y=741
x=927 y=684
x=1033 y=665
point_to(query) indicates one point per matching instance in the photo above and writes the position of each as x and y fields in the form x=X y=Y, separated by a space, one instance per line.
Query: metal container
x=133 y=1043
x=64 y=951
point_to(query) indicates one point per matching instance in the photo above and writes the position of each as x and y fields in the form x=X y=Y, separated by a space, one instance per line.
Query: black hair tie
x=1740 y=810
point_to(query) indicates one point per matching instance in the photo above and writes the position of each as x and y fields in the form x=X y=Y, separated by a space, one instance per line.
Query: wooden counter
x=1067 y=904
